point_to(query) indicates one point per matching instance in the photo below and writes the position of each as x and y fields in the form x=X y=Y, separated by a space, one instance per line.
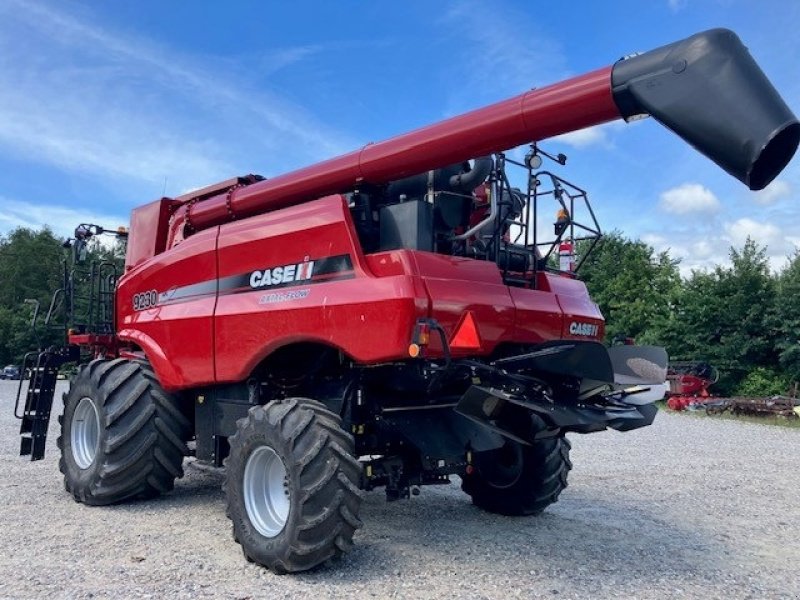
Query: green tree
x=748 y=315
x=30 y=269
x=635 y=288
x=30 y=266
x=693 y=325
x=727 y=317
x=787 y=313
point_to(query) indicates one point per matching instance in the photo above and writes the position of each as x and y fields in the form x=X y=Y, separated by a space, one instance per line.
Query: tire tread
x=319 y=457
x=546 y=465
x=144 y=434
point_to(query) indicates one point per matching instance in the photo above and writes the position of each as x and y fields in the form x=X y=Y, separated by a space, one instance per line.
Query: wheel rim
x=85 y=433
x=266 y=491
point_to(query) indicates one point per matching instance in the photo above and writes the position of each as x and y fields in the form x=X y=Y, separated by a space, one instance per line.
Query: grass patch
x=774 y=421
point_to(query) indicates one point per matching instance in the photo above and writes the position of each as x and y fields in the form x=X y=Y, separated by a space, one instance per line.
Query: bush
x=762 y=382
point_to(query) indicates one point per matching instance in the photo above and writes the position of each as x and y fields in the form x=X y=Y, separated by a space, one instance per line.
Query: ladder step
x=36 y=415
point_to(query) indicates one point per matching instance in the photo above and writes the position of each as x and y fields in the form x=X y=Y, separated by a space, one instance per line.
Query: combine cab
x=390 y=317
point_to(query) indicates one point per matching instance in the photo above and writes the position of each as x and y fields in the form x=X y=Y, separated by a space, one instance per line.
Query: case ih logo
x=282 y=275
x=586 y=329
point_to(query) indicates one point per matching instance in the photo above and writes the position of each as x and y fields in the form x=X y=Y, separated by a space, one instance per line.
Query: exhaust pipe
x=709 y=91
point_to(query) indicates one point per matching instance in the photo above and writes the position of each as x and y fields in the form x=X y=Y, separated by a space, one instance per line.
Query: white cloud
x=689 y=198
x=61 y=219
x=774 y=191
x=677 y=5
x=654 y=239
x=582 y=138
x=85 y=98
x=762 y=233
x=703 y=251
x=778 y=241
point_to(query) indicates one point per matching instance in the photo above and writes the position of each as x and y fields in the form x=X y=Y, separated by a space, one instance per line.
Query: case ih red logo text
x=284 y=274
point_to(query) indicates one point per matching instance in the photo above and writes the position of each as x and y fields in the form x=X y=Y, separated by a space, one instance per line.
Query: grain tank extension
x=387 y=318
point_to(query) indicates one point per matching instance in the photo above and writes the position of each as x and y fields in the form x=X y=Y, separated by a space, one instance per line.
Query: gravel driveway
x=687 y=508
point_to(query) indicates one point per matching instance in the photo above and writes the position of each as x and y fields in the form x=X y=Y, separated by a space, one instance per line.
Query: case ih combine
x=387 y=318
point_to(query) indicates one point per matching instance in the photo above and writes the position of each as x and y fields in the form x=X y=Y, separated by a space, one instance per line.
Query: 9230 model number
x=145 y=300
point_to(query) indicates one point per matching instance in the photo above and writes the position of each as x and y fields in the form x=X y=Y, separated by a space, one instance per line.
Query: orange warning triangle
x=466 y=335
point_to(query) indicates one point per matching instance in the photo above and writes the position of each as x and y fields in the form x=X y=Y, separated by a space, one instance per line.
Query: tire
x=314 y=517
x=122 y=436
x=519 y=479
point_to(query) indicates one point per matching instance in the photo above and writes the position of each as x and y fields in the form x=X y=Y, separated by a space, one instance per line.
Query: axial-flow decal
x=319 y=270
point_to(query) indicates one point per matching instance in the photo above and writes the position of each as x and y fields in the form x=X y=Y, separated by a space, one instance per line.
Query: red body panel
x=456 y=285
x=575 y=304
x=538 y=315
x=220 y=299
x=148 y=231
x=223 y=305
x=177 y=333
x=348 y=311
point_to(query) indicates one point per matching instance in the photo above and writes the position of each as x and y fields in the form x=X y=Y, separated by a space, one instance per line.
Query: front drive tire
x=122 y=436
x=292 y=485
x=518 y=479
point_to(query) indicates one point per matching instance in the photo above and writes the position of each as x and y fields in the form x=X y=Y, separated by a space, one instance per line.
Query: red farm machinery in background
x=386 y=318
x=689 y=383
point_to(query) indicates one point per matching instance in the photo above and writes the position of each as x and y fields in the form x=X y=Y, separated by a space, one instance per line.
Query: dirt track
x=688 y=508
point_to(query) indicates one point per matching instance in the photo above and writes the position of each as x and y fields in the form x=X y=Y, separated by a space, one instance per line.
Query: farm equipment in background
x=688 y=390
x=390 y=317
x=784 y=407
x=688 y=385
x=781 y=406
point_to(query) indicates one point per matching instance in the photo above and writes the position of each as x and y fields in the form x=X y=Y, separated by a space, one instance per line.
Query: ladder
x=35 y=417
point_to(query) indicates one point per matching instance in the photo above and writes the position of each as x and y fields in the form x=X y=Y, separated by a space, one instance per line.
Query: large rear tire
x=519 y=479
x=122 y=436
x=292 y=485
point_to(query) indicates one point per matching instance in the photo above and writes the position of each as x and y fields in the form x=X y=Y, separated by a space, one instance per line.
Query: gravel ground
x=687 y=508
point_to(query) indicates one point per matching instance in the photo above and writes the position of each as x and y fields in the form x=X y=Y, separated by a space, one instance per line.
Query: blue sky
x=104 y=106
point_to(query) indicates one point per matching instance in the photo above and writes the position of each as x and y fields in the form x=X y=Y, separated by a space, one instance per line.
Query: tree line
x=742 y=318
x=31 y=269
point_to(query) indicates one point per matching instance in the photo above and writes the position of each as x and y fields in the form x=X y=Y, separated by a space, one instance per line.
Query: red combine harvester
x=386 y=318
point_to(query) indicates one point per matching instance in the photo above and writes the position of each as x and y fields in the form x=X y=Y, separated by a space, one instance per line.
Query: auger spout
x=709 y=91
x=706 y=88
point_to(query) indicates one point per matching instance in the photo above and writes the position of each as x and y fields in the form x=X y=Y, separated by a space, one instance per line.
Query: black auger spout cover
x=709 y=91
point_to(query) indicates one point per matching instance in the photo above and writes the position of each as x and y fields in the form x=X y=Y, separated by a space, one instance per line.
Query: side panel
x=148 y=231
x=457 y=285
x=538 y=315
x=298 y=274
x=582 y=318
x=501 y=313
x=166 y=307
